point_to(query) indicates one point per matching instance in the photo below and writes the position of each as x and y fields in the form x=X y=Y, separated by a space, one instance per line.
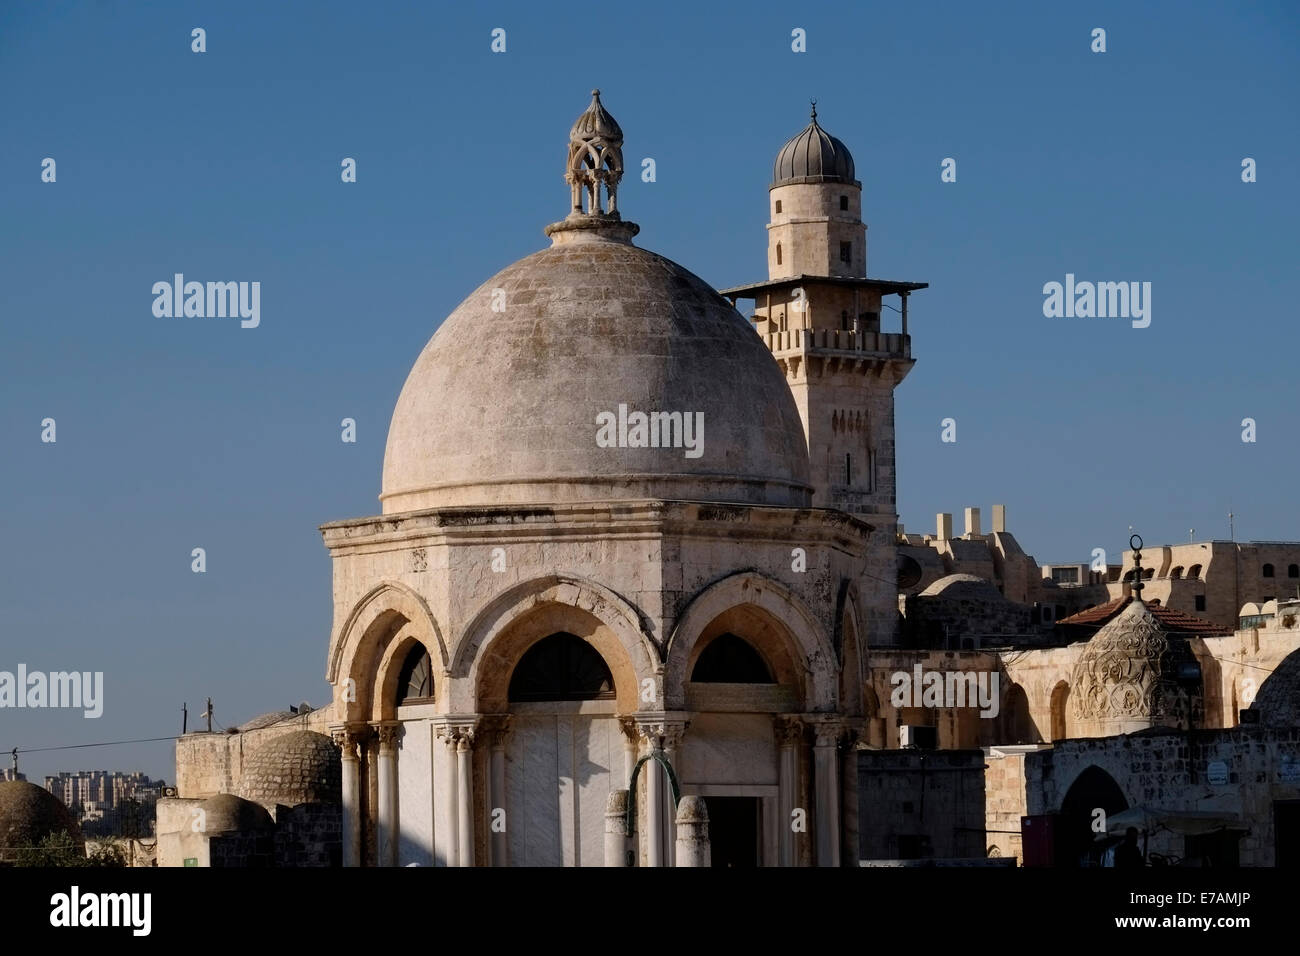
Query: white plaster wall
x=415 y=794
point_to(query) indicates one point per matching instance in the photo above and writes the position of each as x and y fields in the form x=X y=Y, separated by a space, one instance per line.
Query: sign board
x=1217 y=772
x=191 y=861
x=1289 y=771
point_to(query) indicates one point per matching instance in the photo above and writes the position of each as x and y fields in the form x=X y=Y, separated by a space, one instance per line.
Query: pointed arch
x=503 y=629
x=791 y=627
x=365 y=644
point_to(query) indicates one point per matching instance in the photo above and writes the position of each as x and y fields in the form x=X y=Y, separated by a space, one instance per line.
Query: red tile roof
x=1175 y=622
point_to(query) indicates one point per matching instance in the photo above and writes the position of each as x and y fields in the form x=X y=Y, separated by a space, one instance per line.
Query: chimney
x=972 y=522
x=944 y=531
x=999 y=519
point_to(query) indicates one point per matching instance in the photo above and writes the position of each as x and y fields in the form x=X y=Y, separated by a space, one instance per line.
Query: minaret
x=821 y=317
x=816 y=209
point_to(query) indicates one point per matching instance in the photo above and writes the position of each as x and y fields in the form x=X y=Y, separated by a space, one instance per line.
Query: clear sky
x=174 y=434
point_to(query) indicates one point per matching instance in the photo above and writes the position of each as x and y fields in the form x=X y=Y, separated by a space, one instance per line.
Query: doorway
x=734 y=831
x=1286 y=833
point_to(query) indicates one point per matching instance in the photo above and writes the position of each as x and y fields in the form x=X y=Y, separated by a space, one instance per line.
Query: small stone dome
x=28 y=814
x=596 y=123
x=814 y=156
x=299 y=767
x=964 y=587
x=227 y=813
x=1278 y=698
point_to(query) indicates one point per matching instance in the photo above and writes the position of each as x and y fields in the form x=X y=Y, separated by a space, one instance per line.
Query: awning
x=1185 y=822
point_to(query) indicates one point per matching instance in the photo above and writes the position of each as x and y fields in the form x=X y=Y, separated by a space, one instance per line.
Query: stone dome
x=227 y=813
x=964 y=587
x=28 y=814
x=1278 y=699
x=596 y=122
x=1127 y=678
x=296 y=768
x=814 y=156
x=501 y=406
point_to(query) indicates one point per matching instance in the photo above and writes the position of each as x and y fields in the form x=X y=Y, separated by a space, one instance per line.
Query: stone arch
x=512 y=621
x=1060 y=710
x=779 y=625
x=362 y=650
x=850 y=652
x=1091 y=790
x=1017 y=722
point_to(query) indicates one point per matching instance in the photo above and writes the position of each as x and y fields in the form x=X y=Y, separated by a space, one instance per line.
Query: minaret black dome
x=814 y=156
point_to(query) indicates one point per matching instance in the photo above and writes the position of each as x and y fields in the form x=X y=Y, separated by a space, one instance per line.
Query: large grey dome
x=502 y=404
x=814 y=156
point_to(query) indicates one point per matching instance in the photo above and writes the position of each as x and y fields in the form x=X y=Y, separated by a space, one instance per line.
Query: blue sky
x=183 y=433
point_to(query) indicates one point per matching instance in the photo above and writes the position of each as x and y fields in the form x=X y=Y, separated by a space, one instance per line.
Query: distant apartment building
x=102 y=789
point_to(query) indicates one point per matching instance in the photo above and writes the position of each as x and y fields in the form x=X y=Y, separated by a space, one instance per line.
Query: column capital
x=827 y=729
x=789 y=730
x=348 y=737
x=387 y=732
x=455 y=729
x=496 y=728
x=663 y=731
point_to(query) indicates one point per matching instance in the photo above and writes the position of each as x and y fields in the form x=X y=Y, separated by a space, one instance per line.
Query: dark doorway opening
x=733 y=831
x=1076 y=843
x=1286 y=833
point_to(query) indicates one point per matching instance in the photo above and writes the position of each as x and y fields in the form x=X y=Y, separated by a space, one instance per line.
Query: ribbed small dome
x=300 y=767
x=814 y=156
x=596 y=123
x=28 y=814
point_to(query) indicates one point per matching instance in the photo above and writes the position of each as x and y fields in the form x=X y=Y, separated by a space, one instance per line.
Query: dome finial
x=814 y=110
x=593 y=172
x=1135 y=542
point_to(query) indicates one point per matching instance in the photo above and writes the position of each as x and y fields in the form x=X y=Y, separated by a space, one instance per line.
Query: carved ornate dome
x=814 y=156
x=505 y=404
x=300 y=767
x=1126 y=679
x=28 y=814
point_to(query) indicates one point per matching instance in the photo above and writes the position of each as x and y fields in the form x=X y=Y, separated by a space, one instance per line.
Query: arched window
x=1293 y=570
x=415 y=679
x=729 y=659
x=778 y=253
x=561 y=667
x=1194 y=571
x=1176 y=573
x=1268 y=570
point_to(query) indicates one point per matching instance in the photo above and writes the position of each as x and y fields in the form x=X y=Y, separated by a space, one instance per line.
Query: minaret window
x=848 y=468
x=844 y=321
x=844 y=202
x=846 y=252
x=778 y=249
x=778 y=207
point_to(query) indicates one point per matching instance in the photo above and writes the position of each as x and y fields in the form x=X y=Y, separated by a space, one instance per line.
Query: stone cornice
x=647 y=518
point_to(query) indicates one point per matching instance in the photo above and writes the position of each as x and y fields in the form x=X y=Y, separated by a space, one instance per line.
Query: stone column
x=660 y=733
x=458 y=733
x=617 y=843
x=629 y=747
x=498 y=730
x=348 y=740
x=465 y=799
x=674 y=731
x=388 y=799
x=693 y=848
x=826 y=786
x=789 y=735
x=849 y=791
